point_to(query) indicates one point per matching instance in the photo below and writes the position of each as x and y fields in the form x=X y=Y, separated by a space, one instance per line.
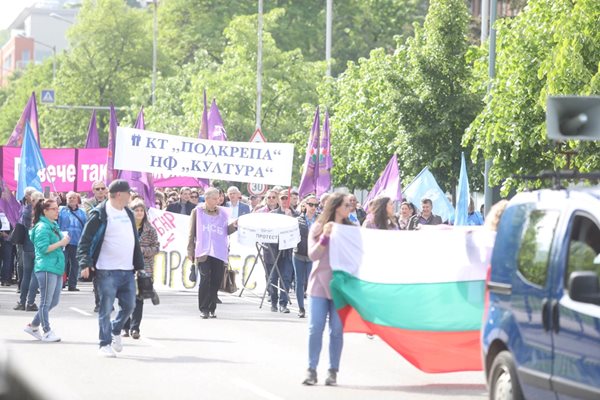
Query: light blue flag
x=462 y=198
x=425 y=186
x=31 y=163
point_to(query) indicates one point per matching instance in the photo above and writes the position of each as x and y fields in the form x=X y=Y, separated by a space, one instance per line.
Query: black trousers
x=211 y=276
x=133 y=322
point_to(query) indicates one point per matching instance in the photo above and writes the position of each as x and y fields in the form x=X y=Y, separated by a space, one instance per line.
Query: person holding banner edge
x=208 y=248
x=336 y=210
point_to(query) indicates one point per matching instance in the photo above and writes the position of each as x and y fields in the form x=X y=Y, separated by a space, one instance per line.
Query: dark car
x=541 y=330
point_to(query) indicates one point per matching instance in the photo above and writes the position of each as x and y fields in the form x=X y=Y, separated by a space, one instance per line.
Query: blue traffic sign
x=47 y=96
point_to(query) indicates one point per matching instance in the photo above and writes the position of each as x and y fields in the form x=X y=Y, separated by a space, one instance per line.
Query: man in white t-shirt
x=109 y=244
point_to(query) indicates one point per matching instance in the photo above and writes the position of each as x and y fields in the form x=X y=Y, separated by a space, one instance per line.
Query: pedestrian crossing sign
x=48 y=96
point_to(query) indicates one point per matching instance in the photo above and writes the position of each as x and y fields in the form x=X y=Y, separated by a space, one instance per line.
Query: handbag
x=192 y=277
x=17 y=236
x=145 y=287
x=228 y=284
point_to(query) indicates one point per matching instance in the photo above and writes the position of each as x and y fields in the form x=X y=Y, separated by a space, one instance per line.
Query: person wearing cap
x=110 y=245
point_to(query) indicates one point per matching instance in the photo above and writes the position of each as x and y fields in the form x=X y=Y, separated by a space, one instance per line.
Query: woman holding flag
x=336 y=210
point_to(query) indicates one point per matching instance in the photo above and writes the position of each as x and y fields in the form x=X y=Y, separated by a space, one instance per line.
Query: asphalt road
x=246 y=353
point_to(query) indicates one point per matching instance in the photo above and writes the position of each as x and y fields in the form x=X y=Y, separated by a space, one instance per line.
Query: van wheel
x=504 y=384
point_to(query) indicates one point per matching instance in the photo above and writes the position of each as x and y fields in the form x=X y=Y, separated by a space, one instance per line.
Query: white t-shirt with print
x=119 y=241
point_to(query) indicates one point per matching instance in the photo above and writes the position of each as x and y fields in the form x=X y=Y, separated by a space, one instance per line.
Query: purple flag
x=325 y=161
x=141 y=182
x=29 y=114
x=93 y=139
x=8 y=204
x=215 y=130
x=388 y=183
x=203 y=133
x=310 y=171
x=111 y=173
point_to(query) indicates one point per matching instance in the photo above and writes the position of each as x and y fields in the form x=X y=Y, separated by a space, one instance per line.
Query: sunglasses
x=271 y=197
x=194 y=196
x=283 y=197
x=312 y=204
x=99 y=189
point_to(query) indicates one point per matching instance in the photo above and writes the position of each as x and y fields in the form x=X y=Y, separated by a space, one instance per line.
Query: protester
x=6 y=254
x=322 y=201
x=294 y=200
x=237 y=208
x=207 y=246
x=194 y=197
x=184 y=206
x=29 y=282
x=357 y=215
x=159 y=200
x=254 y=201
x=427 y=217
x=272 y=201
x=150 y=245
x=336 y=210
x=473 y=217
x=222 y=198
x=383 y=215
x=303 y=263
x=109 y=244
x=282 y=281
x=99 y=189
x=71 y=219
x=407 y=221
x=49 y=266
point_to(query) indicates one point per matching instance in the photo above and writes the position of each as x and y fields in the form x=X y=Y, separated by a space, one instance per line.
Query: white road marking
x=255 y=389
x=80 y=311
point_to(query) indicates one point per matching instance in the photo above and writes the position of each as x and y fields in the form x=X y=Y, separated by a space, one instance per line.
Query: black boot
x=331 y=378
x=311 y=377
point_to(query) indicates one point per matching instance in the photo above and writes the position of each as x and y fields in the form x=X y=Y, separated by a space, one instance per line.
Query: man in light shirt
x=109 y=244
x=237 y=207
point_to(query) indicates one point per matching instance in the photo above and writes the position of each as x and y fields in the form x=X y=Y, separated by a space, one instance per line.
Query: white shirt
x=234 y=210
x=119 y=241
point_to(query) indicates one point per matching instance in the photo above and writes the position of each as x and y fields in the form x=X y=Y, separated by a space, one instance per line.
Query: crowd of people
x=106 y=237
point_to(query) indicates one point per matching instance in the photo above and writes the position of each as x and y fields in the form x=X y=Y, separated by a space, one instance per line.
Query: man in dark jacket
x=184 y=206
x=109 y=244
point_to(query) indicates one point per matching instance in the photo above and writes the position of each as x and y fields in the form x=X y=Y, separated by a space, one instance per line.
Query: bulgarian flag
x=422 y=292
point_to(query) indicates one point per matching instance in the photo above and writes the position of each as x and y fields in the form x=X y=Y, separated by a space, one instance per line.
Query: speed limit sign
x=257 y=189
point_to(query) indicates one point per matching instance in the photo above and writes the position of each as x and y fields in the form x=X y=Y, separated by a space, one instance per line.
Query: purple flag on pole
x=93 y=139
x=388 y=183
x=29 y=114
x=325 y=161
x=8 y=203
x=111 y=173
x=215 y=130
x=310 y=171
x=141 y=182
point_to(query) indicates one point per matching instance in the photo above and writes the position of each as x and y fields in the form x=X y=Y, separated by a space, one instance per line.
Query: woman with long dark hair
x=49 y=266
x=408 y=219
x=382 y=214
x=336 y=210
x=303 y=263
x=150 y=246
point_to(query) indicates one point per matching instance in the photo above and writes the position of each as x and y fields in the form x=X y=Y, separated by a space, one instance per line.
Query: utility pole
x=328 y=30
x=488 y=195
x=259 y=64
x=154 y=47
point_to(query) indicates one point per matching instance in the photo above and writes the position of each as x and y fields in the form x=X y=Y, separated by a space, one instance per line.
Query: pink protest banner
x=91 y=167
x=61 y=168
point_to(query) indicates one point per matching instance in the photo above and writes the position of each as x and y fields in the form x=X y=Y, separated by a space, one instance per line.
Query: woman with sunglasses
x=48 y=242
x=303 y=263
x=336 y=210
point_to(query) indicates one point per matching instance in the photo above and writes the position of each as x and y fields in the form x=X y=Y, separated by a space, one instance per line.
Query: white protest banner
x=172 y=267
x=145 y=151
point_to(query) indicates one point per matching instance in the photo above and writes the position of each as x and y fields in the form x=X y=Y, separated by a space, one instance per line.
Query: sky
x=10 y=9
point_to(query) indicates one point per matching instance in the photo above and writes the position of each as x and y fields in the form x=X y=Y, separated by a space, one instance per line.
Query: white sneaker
x=116 y=344
x=106 y=351
x=35 y=332
x=50 y=336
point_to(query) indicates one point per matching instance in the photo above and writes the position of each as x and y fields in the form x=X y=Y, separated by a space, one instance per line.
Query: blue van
x=541 y=330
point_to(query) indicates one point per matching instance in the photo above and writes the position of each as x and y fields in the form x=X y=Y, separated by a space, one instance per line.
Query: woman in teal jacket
x=49 y=266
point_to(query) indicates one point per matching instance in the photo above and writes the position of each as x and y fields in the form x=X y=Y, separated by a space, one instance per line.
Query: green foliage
x=552 y=47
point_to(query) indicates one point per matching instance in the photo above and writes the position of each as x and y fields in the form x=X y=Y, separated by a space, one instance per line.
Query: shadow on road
x=177 y=359
x=450 y=389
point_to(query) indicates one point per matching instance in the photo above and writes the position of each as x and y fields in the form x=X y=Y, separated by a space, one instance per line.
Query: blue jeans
x=111 y=284
x=50 y=287
x=286 y=268
x=320 y=307
x=71 y=265
x=302 y=271
x=29 y=283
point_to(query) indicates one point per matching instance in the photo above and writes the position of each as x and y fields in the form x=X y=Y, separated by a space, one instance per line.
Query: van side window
x=536 y=245
x=584 y=247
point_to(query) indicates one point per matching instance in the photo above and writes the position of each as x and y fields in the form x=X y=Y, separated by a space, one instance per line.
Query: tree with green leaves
x=550 y=48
